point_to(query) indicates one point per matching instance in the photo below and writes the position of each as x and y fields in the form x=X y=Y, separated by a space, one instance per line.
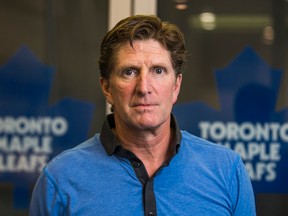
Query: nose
x=144 y=83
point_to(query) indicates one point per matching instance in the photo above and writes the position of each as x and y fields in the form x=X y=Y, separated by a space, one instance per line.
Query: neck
x=151 y=147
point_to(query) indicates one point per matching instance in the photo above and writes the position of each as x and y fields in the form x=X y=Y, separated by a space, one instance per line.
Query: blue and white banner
x=32 y=131
x=247 y=120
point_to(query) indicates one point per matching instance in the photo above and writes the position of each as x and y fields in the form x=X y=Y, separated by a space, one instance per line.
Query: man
x=141 y=163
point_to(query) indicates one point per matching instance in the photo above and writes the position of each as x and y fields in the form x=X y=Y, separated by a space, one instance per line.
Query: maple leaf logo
x=31 y=131
x=247 y=121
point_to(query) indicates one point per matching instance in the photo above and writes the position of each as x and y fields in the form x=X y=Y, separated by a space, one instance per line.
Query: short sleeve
x=46 y=199
x=242 y=192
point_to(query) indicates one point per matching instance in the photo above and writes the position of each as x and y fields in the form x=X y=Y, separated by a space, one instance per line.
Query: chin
x=150 y=124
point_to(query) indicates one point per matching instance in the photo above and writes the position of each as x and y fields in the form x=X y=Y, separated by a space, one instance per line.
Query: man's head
x=142 y=27
x=140 y=64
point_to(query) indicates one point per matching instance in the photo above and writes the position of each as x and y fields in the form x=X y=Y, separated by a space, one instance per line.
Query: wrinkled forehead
x=131 y=51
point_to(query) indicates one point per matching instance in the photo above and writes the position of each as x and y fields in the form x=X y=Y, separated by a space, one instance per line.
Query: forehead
x=148 y=50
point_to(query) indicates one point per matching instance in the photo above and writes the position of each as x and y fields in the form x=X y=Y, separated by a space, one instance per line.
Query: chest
x=175 y=192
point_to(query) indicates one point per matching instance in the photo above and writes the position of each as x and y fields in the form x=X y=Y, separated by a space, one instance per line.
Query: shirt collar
x=111 y=143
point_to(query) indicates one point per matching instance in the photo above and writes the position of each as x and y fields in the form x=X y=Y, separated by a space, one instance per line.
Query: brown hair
x=142 y=27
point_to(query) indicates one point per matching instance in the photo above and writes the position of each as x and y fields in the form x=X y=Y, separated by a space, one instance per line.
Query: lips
x=143 y=105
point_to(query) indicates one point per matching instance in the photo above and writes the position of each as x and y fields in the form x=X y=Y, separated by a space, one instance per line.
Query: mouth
x=143 y=106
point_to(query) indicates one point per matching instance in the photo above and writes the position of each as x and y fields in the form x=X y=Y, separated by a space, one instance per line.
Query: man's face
x=142 y=86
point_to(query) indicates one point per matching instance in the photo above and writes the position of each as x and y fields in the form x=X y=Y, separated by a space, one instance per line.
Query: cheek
x=120 y=93
x=170 y=91
x=166 y=95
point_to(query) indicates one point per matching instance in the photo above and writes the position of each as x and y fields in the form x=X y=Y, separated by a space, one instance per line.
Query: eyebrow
x=126 y=66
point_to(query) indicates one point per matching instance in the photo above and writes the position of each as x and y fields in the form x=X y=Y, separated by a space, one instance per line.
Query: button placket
x=148 y=188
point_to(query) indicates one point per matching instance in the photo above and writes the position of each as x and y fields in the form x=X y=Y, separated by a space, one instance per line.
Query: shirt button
x=136 y=164
x=151 y=213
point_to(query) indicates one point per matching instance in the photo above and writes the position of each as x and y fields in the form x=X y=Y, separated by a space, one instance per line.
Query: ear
x=105 y=86
x=177 y=87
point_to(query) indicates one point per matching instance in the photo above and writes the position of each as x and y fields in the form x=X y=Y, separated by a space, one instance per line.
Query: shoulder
x=82 y=154
x=206 y=152
x=193 y=141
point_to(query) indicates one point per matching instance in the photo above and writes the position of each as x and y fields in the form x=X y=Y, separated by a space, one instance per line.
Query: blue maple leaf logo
x=32 y=131
x=247 y=121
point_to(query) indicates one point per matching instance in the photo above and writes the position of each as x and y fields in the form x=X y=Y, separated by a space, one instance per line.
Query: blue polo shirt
x=98 y=177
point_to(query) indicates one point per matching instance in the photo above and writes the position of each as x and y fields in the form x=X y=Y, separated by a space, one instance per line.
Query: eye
x=129 y=72
x=159 y=70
